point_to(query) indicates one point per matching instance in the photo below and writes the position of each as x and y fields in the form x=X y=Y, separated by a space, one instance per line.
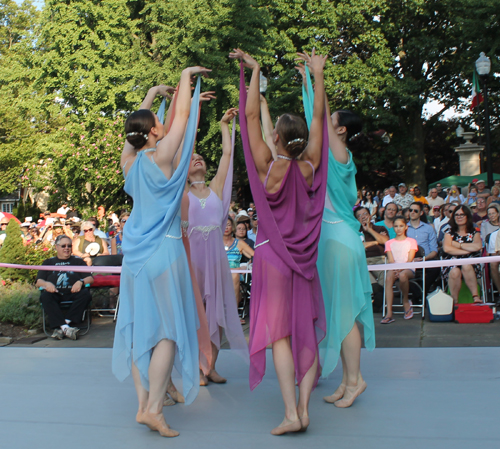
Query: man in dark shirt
x=374 y=242
x=58 y=286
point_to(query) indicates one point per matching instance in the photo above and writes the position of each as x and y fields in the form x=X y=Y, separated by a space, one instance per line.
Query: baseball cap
x=402 y=184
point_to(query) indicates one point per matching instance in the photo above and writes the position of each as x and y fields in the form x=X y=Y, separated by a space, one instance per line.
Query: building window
x=7 y=207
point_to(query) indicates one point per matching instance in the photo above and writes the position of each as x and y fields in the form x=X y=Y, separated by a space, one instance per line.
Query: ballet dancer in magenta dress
x=157 y=320
x=286 y=309
x=208 y=209
x=341 y=260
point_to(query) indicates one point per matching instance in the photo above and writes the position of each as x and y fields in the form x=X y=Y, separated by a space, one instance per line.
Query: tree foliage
x=13 y=251
x=78 y=67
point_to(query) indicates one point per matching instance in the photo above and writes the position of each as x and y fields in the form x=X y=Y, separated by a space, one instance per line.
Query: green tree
x=13 y=251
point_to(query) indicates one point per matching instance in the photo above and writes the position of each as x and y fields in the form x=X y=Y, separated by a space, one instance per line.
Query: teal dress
x=156 y=293
x=342 y=267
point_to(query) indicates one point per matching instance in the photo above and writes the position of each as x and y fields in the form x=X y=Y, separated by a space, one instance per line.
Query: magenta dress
x=207 y=219
x=286 y=298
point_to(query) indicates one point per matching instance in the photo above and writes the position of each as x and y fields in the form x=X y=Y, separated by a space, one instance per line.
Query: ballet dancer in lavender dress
x=208 y=209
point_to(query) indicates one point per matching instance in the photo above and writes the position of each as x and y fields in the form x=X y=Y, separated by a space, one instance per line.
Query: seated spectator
x=3 y=229
x=494 y=197
x=250 y=212
x=391 y=210
x=389 y=198
x=434 y=199
x=63 y=210
x=437 y=215
x=428 y=214
x=491 y=224
x=252 y=233
x=401 y=249
x=368 y=202
x=97 y=231
x=482 y=191
x=471 y=196
x=81 y=243
x=406 y=213
x=235 y=248
x=58 y=286
x=441 y=192
x=403 y=198
x=445 y=222
x=241 y=234
x=460 y=242
x=116 y=241
x=374 y=241
x=493 y=249
x=454 y=195
x=425 y=235
x=418 y=196
x=481 y=212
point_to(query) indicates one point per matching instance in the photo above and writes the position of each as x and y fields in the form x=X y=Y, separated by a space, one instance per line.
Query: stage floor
x=416 y=398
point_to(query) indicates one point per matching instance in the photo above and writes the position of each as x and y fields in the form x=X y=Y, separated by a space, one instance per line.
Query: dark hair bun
x=296 y=146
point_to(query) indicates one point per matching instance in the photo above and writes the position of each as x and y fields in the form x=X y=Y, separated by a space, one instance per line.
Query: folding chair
x=65 y=305
x=245 y=287
x=103 y=283
x=418 y=285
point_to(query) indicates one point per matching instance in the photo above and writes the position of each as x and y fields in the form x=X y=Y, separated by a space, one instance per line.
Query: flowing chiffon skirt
x=283 y=304
x=211 y=268
x=158 y=303
x=346 y=290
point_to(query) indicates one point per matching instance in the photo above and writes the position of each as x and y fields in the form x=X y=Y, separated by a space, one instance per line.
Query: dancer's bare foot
x=304 y=423
x=338 y=394
x=351 y=393
x=203 y=379
x=138 y=417
x=168 y=401
x=157 y=423
x=287 y=426
x=216 y=378
x=174 y=393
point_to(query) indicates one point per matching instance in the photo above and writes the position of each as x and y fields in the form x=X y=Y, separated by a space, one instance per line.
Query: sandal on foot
x=387 y=320
x=477 y=299
x=409 y=314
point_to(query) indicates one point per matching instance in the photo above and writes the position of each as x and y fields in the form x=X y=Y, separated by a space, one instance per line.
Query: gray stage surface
x=416 y=398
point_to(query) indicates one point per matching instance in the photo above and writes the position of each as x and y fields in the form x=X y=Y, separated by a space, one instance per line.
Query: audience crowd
x=447 y=223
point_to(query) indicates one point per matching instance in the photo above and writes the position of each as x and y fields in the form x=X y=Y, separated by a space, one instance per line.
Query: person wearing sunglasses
x=58 y=286
x=462 y=241
x=116 y=242
x=81 y=243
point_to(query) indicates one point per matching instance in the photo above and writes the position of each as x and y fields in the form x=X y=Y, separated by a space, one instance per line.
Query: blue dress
x=342 y=267
x=156 y=293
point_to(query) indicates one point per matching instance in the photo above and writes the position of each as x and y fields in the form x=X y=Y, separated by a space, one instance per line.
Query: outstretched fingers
x=207 y=96
x=248 y=61
x=229 y=115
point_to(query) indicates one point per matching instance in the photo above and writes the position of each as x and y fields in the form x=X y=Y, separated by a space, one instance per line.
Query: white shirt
x=388 y=199
x=491 y=244
x=63 y=210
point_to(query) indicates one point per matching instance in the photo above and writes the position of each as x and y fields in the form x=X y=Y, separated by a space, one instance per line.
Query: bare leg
x=404 y=285
x=355 y=385
x=455 y=282
x=236 y=285
x=214 y=376
x=339 y=392
x=389 y=294
x=160 y=368
x=174 y=393
x=470 y=279
x=285 y=369
x=142 y=393
x=305 y=389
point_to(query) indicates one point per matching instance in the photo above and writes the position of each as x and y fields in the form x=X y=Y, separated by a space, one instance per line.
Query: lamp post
x=483 y=66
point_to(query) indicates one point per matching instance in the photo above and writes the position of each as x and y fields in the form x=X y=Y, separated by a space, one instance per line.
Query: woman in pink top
x=400 y=249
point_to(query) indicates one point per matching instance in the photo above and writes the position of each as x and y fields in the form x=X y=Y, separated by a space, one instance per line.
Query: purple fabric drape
x=286 y=294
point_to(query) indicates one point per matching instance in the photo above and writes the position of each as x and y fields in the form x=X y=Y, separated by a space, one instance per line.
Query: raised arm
x=267 y=126
x=169 y=145
x=316 y=64
x=217 y=183
x=261 y=153
x=128 y=150
x=337 y=146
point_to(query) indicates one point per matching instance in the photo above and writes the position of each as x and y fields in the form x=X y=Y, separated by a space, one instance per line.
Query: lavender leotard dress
x=286 y=292
x=207 y=219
